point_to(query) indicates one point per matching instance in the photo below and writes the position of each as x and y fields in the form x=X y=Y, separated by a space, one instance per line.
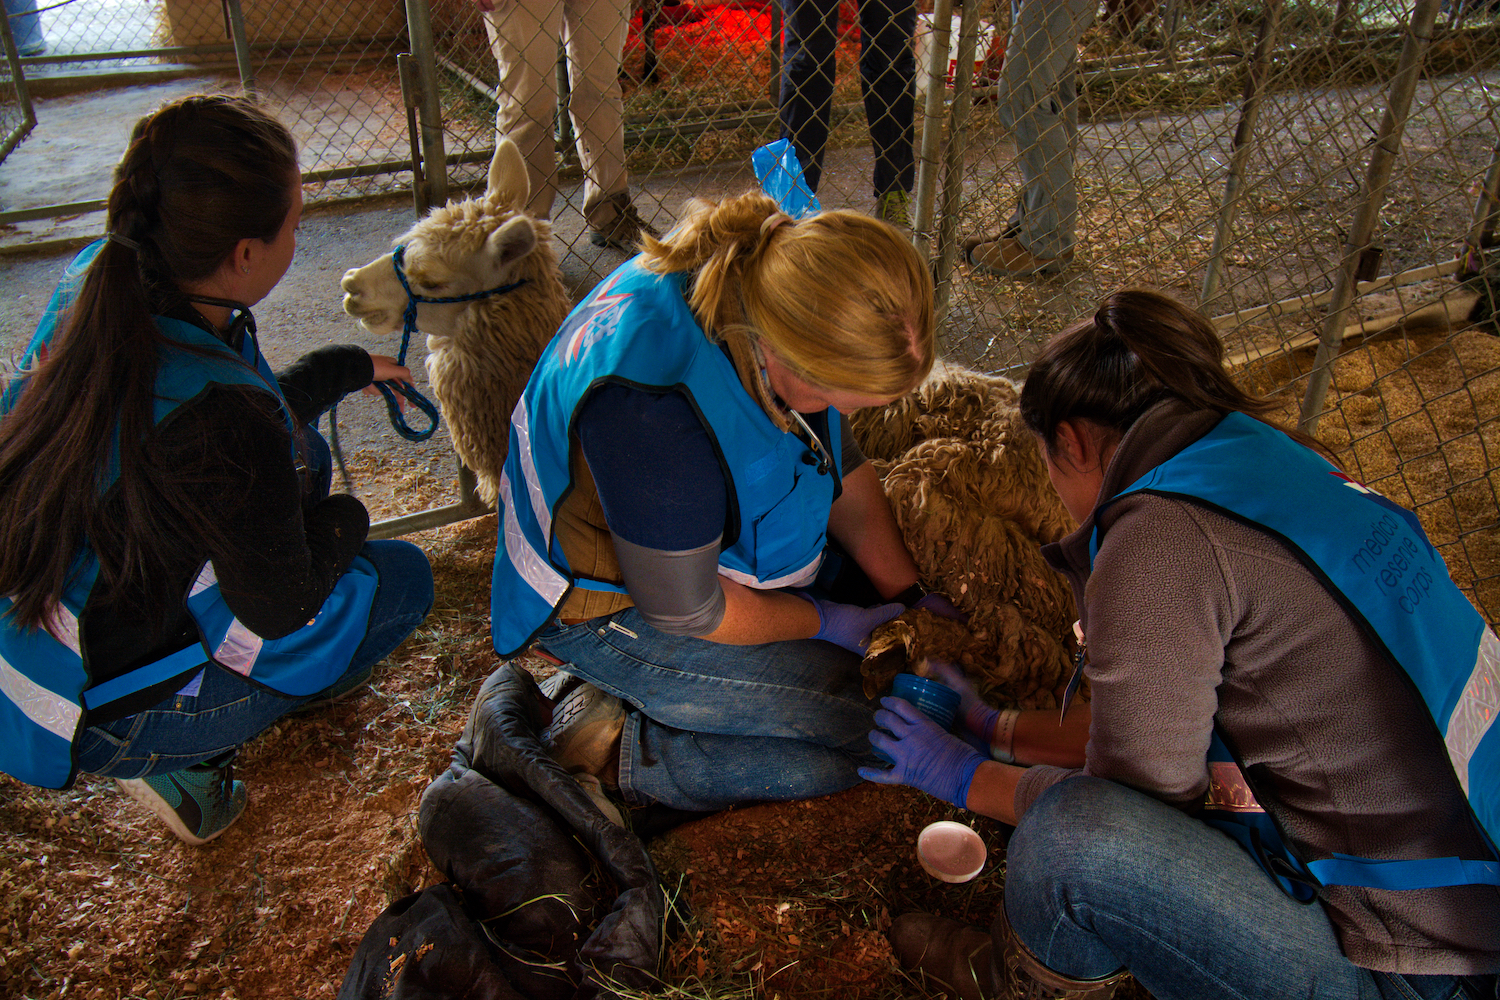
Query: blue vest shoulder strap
x=1374 y=558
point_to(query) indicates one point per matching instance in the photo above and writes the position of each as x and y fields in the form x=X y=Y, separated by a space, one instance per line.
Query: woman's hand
x=978 y=718
x=925 y=757
x=386 y=370
x=849 y=625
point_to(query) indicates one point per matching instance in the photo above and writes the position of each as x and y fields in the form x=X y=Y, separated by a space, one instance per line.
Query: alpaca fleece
x=479 y=369
x=971 y=495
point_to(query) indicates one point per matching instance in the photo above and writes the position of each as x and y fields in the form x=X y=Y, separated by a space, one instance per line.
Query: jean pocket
x=102 y=752
x=1394 y=986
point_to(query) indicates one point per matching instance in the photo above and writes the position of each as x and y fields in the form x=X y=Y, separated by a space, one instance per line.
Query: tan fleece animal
x=970 y=491
x=481 y=352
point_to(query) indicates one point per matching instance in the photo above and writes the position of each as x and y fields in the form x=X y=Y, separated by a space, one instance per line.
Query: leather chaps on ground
x=549 y=900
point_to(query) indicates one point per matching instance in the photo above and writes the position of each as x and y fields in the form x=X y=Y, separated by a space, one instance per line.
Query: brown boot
x=1026 y=978
x=1008 y=258
x=950 y=955
x=961 y=960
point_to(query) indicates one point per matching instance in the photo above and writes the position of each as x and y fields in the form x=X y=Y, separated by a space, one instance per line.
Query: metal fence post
x=953 y=161
x=1382 y=161
x=434 y=159
x=234 y=26
x=1249 y=112
x=1486 y=215
x=563 y=130
x=932 y=125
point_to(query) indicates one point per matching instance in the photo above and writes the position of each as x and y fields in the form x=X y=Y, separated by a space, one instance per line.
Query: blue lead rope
x=408 y=327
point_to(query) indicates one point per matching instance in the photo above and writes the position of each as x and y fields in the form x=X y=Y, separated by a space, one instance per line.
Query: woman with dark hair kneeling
x=1278 y=659
x=178 y=575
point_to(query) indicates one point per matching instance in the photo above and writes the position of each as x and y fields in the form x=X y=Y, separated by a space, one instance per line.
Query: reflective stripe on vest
x=636 y=328
x=1374 y=558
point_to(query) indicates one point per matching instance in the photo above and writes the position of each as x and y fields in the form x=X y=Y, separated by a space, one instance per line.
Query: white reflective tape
x=534 y=569
x=796 y=578
x=521 y=421
x=239 y=649
x=206 y=578
x=63 y=624
x=47 y=709
x=1476 y=709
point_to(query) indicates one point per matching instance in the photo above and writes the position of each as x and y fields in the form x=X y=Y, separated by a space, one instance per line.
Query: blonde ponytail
x=840 y=297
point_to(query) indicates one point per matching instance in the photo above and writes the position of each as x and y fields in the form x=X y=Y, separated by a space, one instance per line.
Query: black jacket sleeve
x=316 y=381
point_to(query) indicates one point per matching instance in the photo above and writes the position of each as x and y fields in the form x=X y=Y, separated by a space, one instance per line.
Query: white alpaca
x=480 y=352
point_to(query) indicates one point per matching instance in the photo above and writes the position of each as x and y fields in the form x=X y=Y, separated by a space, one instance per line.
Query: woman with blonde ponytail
x=177 y=576
x=1290 y=784
x=679 y=463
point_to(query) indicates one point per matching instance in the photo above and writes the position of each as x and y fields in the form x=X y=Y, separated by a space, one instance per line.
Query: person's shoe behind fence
x=624 y=232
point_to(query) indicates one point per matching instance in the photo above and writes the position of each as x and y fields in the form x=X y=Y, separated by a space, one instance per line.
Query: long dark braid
x=198 y=176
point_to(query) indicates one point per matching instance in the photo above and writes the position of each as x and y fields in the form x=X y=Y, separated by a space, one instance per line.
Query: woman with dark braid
x=177 y=576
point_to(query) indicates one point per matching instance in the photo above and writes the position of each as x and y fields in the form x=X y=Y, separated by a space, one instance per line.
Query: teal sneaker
x=894 y=207
x=198 y=803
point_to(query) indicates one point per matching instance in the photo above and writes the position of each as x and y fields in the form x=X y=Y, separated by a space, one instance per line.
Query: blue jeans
x=183 y=730
x=715 y=724
x=887 y=75
x=1100 y=876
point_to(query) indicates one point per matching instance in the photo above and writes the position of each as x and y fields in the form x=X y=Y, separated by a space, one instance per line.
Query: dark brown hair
x=199 y=175
x=1139 y=348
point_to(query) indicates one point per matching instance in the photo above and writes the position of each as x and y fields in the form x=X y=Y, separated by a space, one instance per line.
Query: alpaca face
x=459 y=249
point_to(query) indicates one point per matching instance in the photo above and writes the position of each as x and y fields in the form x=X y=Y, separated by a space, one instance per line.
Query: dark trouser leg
x=808 y=65
x=887 y=75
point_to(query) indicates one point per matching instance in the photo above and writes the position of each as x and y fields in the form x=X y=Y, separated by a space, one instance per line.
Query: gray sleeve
x=676 y=592
x=850 y=457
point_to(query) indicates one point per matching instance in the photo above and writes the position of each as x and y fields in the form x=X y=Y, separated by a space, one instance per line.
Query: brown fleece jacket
x=1190 y=615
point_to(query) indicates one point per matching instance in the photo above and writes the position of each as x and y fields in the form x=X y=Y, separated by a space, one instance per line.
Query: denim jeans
x=1100 y=876
x=887 y=75
x=712 y=724
x=227 y=710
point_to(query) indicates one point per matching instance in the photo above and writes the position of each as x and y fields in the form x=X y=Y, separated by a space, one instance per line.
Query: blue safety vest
x=47 y=686
x=1374 y=558
x=636 y=329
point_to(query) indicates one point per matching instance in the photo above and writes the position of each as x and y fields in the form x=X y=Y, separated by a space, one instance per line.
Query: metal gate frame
x=23 y=96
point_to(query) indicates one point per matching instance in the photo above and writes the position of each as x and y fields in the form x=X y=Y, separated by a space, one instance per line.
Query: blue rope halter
x=408 y=327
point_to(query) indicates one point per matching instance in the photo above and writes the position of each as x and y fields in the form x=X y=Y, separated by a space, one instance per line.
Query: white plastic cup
x=950 y=851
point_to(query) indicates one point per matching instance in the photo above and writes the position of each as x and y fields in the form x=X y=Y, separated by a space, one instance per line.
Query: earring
x=245 y=269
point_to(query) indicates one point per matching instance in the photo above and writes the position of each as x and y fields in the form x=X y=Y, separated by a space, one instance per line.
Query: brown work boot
x=961 y=960
x=625 y=230
x=951 y=956
x=1006 y=257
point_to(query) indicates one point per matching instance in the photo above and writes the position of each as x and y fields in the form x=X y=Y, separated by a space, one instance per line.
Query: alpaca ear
x=508 y=184
x=513 y=240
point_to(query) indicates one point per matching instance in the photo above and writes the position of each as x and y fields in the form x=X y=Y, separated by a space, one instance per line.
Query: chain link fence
x=1319 y=178
x=329 y=71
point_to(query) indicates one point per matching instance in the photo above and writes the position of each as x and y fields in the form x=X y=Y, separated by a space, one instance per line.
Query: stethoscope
x=802 y=429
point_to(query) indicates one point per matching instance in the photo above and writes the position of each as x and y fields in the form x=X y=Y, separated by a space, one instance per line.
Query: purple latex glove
x=978 y=718
x=850 y=625
x=940 y=605
x=926 y=758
